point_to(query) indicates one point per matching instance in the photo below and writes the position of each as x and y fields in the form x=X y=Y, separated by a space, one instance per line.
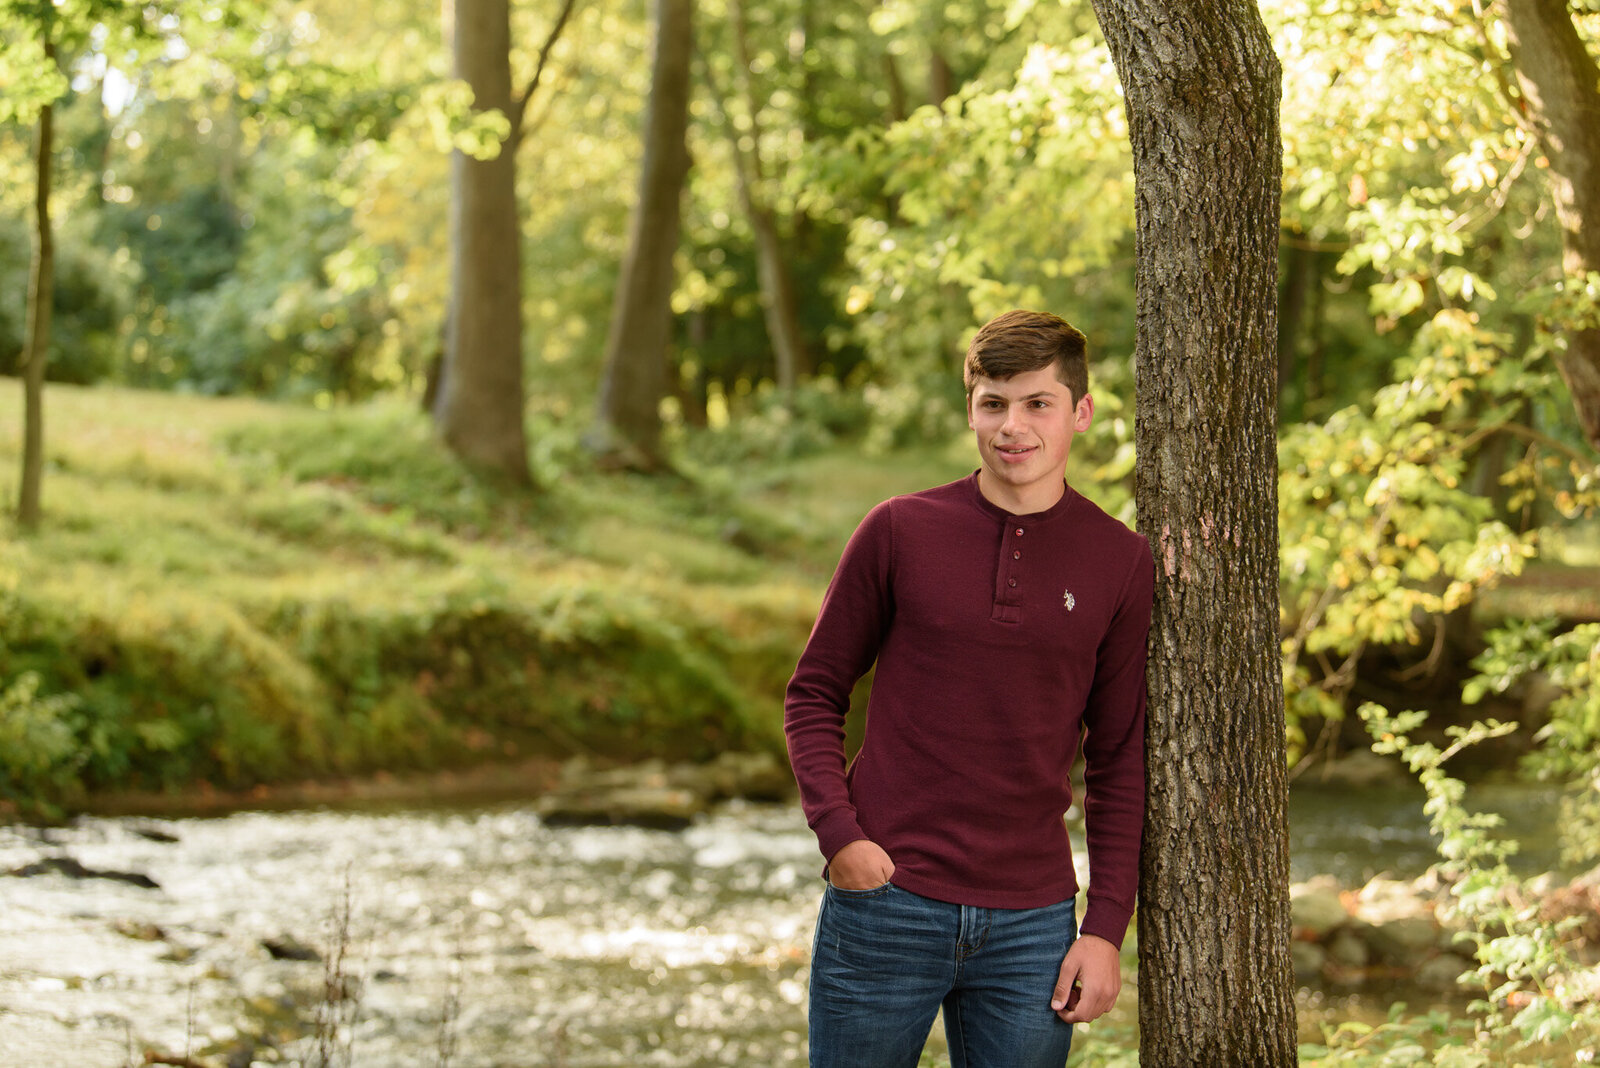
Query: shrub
x=41 y=750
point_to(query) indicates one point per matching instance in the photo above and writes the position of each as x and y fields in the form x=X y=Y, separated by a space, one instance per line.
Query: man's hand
x=861 y=865
x=1091 y=977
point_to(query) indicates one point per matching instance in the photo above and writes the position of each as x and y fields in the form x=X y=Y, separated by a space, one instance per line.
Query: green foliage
x=781 y=428
x=1532 y=1011
x=1404 y=508
x=40 y=746
x=92 y=290
x=1382 y=529
x=388 y=450
x=1569 y=664
x=1014 y=192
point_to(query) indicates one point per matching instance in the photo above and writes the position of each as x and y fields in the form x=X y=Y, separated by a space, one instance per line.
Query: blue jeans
x=885 y=960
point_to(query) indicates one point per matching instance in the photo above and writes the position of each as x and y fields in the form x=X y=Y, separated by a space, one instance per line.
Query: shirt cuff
x=1106 y=920
x=836 y=830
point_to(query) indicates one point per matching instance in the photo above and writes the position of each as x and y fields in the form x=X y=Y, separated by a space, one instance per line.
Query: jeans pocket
x=874 y=891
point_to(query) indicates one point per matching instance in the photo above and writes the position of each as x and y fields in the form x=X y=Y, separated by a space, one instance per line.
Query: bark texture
x=1561 y=84
x=36 y=339
x=635 y=379
x=1202 y=87
x=479 y=410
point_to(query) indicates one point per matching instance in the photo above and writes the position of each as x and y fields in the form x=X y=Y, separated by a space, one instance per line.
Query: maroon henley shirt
x=999 y=640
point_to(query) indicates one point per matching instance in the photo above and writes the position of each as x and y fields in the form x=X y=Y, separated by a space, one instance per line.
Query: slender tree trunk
x=941 y=79
x=1202 y=87
x=479 y=411
x=1561 y=83
x=899 y=106
x=1317 y=350
x=641 y=322
x=778 y=303
x=692 y=391
x=1299 y=275
x=41 y=296
x=779 y=308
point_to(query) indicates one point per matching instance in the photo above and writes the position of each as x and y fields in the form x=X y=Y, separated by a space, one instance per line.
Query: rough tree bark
x=36 y=340
x=635 y=378
x=1561 y=84
x=1202 y=87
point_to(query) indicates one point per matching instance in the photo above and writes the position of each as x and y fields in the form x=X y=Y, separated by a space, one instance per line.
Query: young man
x=1007 y=617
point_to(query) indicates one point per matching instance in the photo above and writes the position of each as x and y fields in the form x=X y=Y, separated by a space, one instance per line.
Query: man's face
x=1024 y=425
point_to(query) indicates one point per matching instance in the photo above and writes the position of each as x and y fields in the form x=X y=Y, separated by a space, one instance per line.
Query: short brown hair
x=1017 y=342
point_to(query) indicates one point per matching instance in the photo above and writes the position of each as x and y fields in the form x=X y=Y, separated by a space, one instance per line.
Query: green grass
x=233 y=592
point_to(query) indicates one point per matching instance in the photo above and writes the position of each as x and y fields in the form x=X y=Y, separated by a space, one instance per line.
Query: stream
x=478 y=936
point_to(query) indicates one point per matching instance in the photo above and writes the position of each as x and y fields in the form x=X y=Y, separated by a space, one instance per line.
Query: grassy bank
x=230 y=592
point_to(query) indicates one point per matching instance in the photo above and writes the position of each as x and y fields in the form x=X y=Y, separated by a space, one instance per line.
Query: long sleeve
x=1113 y=750
x=844 y=642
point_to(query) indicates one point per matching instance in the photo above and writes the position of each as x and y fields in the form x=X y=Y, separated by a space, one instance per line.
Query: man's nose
x=1013 y=420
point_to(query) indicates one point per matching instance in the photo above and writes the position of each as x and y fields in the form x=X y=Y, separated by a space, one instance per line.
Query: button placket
x=1007 y=592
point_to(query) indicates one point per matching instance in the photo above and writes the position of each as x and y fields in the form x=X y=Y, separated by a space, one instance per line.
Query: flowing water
x=476 y=936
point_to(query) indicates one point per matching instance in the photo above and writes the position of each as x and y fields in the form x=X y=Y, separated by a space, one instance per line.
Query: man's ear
x=1083 y=415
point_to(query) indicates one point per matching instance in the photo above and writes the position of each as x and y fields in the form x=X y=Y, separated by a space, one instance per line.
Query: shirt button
x=1019 y=532
x=1011 y=582
x=1017 y=555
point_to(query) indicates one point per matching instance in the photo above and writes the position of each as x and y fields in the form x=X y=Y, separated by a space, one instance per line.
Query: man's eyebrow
x=1032 y=396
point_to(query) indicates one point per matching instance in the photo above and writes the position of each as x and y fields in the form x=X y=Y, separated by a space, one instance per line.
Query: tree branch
x=519 y=106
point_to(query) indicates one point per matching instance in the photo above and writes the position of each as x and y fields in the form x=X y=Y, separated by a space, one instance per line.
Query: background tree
x=1202 y=85
x=1561 y=85
x=41 y=297
x=479 y=410
x=635 y=377
x=44 y=33
x=779 y=301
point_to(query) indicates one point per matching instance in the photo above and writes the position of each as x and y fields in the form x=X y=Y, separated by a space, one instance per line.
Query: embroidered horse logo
x=1067 y=600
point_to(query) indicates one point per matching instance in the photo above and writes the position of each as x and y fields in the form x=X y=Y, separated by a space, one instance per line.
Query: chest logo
x=1068 y=601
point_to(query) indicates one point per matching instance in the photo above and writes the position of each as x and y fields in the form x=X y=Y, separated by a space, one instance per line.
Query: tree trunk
x=1561 y=83
x=778 y=303
x=1299 y=275
x=779 y=309
x=641 y=322
x=1202 y=87
x=941 y=79
x=36 y=342
x=479 y=411
x=899 y=106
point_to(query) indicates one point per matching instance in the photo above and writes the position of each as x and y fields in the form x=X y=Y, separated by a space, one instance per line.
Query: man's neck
x=1028 y=500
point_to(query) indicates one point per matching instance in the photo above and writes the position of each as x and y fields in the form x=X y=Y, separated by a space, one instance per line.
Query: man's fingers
x=1086 y=1005
x=1067 y=989
x=1092 y=966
